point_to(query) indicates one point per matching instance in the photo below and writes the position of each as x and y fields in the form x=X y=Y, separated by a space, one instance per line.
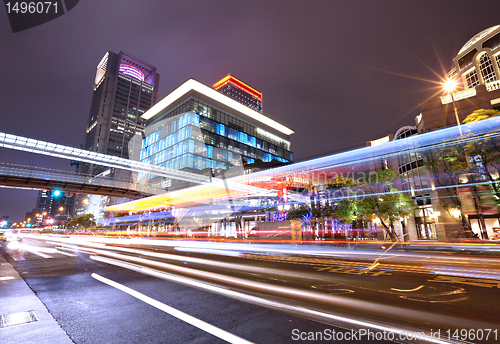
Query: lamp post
x=42 y=215
x=450 y=85
x=67 y=214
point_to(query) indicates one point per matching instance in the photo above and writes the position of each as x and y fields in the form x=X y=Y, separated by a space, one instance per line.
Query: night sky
x=339 y=73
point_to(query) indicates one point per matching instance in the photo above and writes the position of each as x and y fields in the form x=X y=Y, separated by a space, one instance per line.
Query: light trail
x=289 y=292
x=286 y=248
x=202 y=325
x=429 y=262
x=315 y=314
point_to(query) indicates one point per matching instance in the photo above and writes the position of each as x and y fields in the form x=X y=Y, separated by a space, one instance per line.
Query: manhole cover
x=17 y=318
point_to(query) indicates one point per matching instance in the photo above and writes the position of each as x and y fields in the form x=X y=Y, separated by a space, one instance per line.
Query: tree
x=469 y=158
x=484 y=154
x=367 y=200
x=385 y=202
x=446 y=165
x=82 y=221
x=347 y=210
x=346 y=207
x=481 y=114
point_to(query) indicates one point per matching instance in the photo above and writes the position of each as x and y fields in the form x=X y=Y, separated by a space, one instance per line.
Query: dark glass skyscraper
x=124 y=88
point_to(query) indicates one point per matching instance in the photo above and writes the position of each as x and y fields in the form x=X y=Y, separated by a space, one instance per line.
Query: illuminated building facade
x=477 y=71
x=239 y=91
x=477 y=74
x=416 y=181
x=50 y=202
x=201 y=130
x=125 y=87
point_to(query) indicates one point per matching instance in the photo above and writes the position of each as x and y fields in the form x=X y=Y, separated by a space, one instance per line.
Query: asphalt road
x=256 y=296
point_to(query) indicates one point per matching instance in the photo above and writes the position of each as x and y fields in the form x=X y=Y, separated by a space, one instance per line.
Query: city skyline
x=336 y=84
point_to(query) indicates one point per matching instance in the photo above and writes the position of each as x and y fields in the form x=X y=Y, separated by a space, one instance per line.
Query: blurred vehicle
x=13 y=236
x=2 y=236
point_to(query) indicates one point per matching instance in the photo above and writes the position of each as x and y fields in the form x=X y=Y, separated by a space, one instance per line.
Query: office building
x=125 y=87
x=239 y=91
x=55 y=206
x=198 y=129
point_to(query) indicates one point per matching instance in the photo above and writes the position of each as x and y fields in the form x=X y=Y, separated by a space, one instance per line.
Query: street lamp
x=67 y=213
x=42 y=215
x=450 y=85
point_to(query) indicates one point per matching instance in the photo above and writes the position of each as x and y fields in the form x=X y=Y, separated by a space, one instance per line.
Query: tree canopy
x=82 y=221
x=481 y=114
x=379 y=199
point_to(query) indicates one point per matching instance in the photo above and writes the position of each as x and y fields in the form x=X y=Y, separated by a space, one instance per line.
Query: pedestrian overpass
x=30 y=177
x=39 y=178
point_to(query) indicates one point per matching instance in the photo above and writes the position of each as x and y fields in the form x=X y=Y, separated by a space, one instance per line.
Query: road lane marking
x=262 y=301
x=66 y=253
x=478 y=282
x=353 y=271
x=220 y=333
x=6 y=278
x=43 y=255
x=14 y=255
x=408 y=290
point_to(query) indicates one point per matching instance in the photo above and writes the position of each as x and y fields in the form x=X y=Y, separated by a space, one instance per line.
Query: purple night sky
x=339 y=73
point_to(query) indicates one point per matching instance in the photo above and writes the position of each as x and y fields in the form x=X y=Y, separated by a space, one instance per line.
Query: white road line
x=14 y=255
x=265 y=302
x=220 y=333
x=6 y=278
x=43 y=255
x=66 y=253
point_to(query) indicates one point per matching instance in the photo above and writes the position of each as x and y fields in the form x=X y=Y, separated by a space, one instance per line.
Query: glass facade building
x=201 y=134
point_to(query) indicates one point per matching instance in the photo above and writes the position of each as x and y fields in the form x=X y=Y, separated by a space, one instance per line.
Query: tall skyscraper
x=55 y=205
x=239 y=91
x=124 y=88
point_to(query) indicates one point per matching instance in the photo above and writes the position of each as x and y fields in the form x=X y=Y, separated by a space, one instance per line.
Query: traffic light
x=56 y=193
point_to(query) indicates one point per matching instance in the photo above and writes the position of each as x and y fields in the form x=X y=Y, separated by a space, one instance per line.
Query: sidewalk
x=17 y=298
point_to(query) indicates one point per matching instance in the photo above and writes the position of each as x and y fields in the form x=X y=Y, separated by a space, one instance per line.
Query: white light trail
x=284 y=291
x=220 y=333
x=265 y=302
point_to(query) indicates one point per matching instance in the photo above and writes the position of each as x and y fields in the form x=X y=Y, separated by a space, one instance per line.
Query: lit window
x=487 y=71
x=472 y=79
